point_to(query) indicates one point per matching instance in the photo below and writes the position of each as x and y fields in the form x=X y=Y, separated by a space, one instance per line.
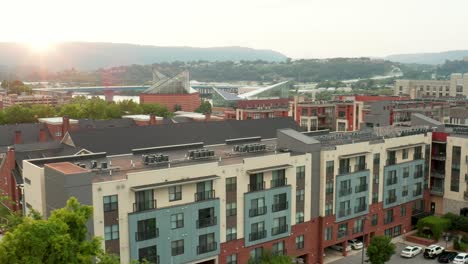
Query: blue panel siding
x=189 y=232
x=354 y=177
x=409 y=181
x=268 y=194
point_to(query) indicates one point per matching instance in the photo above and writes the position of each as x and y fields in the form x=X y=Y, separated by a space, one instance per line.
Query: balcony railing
x=437 y=190
x=439 y=157
x=344 y=170
x=257 y=211
x=417 y=155
x=278 y=183
x=391 y=161
x=256 y=186
x=390 y=200
x=279 y=206
x=360 y=167
x=279 y=230
x=231 y=236
x=418 y=174
x=345 y=191
x=151 y=259
x=257 y=235
x=206 y=222
x=206 y=195
x=145 y=235
x=438 y=174
x=360 y=208
x=360 y=188
x=205 y=248
x=417 y=192
x=144 y=205
x=392 y=181
x=344 y=212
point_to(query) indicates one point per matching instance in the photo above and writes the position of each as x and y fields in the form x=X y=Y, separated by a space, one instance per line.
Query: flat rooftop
x=66 y=168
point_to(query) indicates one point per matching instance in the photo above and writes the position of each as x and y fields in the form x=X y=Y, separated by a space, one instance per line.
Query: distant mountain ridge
x=429 y=58
x=93 y=55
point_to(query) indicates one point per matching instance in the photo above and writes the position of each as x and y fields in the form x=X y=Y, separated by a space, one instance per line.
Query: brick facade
x=188 y=102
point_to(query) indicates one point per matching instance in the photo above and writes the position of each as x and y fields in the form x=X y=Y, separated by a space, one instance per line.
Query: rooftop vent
x=153 y=159
x=197 y=154
x=249 y=148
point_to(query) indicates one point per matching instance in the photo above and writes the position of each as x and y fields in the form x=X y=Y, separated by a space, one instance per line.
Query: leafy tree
x=71 y=110
x=2 y=118
x=18 y=114
x=380 y=249
x=204 y=108
x=40 y=111
x=113 y=110
x=60 y=239
x=269 y=258
x=155 y=109
x=435 y=224
x=130 y=107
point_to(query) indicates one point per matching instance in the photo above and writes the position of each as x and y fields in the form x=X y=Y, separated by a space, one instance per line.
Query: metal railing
x=390 y=200
x=360 y=208
x=418 y=174
x=346 y=191
x=144 y=205
x=344 y=212
x=344 y=169
x=391 y=181
x=278 y=182
x=204 y=248
x=360 y=167
x=279 y=230
x=206 y=222
x=148 y=234
x=360 y=188
x=437 y=190
x=205 y=195
x=257 y=211
x=279 y=206
x=257 y=235
x=256 y=186
x=391 y=162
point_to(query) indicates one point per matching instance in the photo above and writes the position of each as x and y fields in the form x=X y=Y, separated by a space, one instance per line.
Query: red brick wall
x=7 y=181
x=188 y=102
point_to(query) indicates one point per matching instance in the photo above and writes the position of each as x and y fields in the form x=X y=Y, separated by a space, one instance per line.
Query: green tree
x=156 y=109
x=71 y=110
x=129 y=107
x=113 y=111
x=269 y=258
x=40 y=111
x=18 y=114
x=204 y=108
x=2 y=118
x=380 y=249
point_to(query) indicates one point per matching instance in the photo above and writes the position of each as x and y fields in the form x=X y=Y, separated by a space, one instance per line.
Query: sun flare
x=41 y=46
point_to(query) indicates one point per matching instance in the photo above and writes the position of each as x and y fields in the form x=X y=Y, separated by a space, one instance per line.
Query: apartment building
x=457 y=86
x=14 y=99
x=197 y=197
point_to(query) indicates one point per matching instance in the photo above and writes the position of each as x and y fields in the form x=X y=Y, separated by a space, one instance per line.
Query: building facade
x=457 y=86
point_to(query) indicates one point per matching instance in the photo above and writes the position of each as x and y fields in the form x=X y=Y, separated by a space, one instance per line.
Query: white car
x=433 y=251
x=339 y=247
x=410 y=251
x=461 y=258
x=355 y=244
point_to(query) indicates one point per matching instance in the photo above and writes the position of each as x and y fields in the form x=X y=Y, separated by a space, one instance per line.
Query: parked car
x=339 y=247
x=411 y=251
x=355 y=244
x=433 y=251
x=447 y=256
x=461 y=258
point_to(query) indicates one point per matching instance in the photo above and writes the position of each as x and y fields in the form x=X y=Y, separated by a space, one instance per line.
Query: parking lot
x=355 y=258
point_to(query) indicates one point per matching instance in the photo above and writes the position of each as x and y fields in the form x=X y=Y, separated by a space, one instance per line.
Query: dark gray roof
x=99 y=124
x=29 y=133
x=42 y=150
x=227 y=95
x=123 y=140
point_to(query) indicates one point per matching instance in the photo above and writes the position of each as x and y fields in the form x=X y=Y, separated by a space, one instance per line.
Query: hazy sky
x=297 y=28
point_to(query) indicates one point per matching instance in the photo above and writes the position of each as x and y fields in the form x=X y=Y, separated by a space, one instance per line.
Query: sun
x=40 y=46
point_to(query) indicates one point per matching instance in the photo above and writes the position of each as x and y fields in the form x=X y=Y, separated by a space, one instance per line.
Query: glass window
x=110 y=203
x=402 y=210
x=299 y=217
x=374 y=219
x=148 y=253
x=175 y=193
x=111 y=232
x=177 y=220
x=231 y=233
x=256 y=253
x=300 y=242
x=299 y=195
x=405 y=172
x=231 y=259
x=300 y=172
x=231 y=209
x=231 y=184
x=405 y=153
x=328 y=233
x=177 y=247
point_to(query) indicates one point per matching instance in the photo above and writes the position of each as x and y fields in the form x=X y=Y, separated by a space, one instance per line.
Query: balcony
x=205 y=248
x=279 y=207
x=360 y=188
x=390 y=200
x=437 y=174
x=279 y=230
x=206 y=222
x=144 y=205
x=437 y=190
x=391 y=161
x=145 y=235
x=392 y=181
x=360 y=167
x=439 y=157
x=278 y=183
x=257 y=211
x=206 y=195
x=360 y=208
x=344 y=212
x=257 y=235
x=253 y=187
x=345 y=192
x=344 y=170
x=417 y=155
x=417 y=192
x=418 y=174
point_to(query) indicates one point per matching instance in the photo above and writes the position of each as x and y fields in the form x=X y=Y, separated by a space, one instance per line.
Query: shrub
x=456 y=244
x=436 y=224
x=458 y=222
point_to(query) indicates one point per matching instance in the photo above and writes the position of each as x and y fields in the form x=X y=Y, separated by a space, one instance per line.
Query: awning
x=405 y=146
x=172 y=183
x=354 y=155
x=272 y=168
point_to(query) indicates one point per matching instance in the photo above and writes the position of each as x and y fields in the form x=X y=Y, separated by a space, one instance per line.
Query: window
x=388 y=216
x=397 y=230
x=405 y=154
x=279 y=202
x=231 y=185
x=278 y=178
x=206 y=243
x=204 y=191
x=330 y=168
x=146 y=229
x=300 y=242
x=392 y=177
x=300 y=173
x=345 y=188
x=405 y=172
x=231 y=233
x=402 y=210
x=111 y=232
x=278 y=248
x=279 y=226
x=358 y=226
x=329 y=187
x=375 y=197
x=342 y=230
x=149 y=254
x=360 y=205
x=231 y=259
x=256 y=253
x=177 y=220
x=374 y=219
x=231 y=209
x=391 y=196
x=328 y=208
x=299 y=195
x=257 y=231
x=404 y=190
x=344 y=209
x=144 y=200
x=388 y=232
x=206 y=217
x=175 y=193
x=377 y=159
x=26 y=180
x=58 y=134
x=110 y=203
x=257 y=207
x=177 y=247
x=328 y=233
x=256 y=182
x=417 y=189
x=299 y=217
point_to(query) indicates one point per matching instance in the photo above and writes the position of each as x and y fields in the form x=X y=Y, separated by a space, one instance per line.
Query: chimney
x=152 y=120
x=10 y=157
x=65 y=125
x=18 y=139
x=42 y=135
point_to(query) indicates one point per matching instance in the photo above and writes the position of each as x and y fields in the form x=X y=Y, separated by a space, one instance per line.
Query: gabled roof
x=29 y=133
x=100 y=124
x=122 y=140
x=42 y=150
